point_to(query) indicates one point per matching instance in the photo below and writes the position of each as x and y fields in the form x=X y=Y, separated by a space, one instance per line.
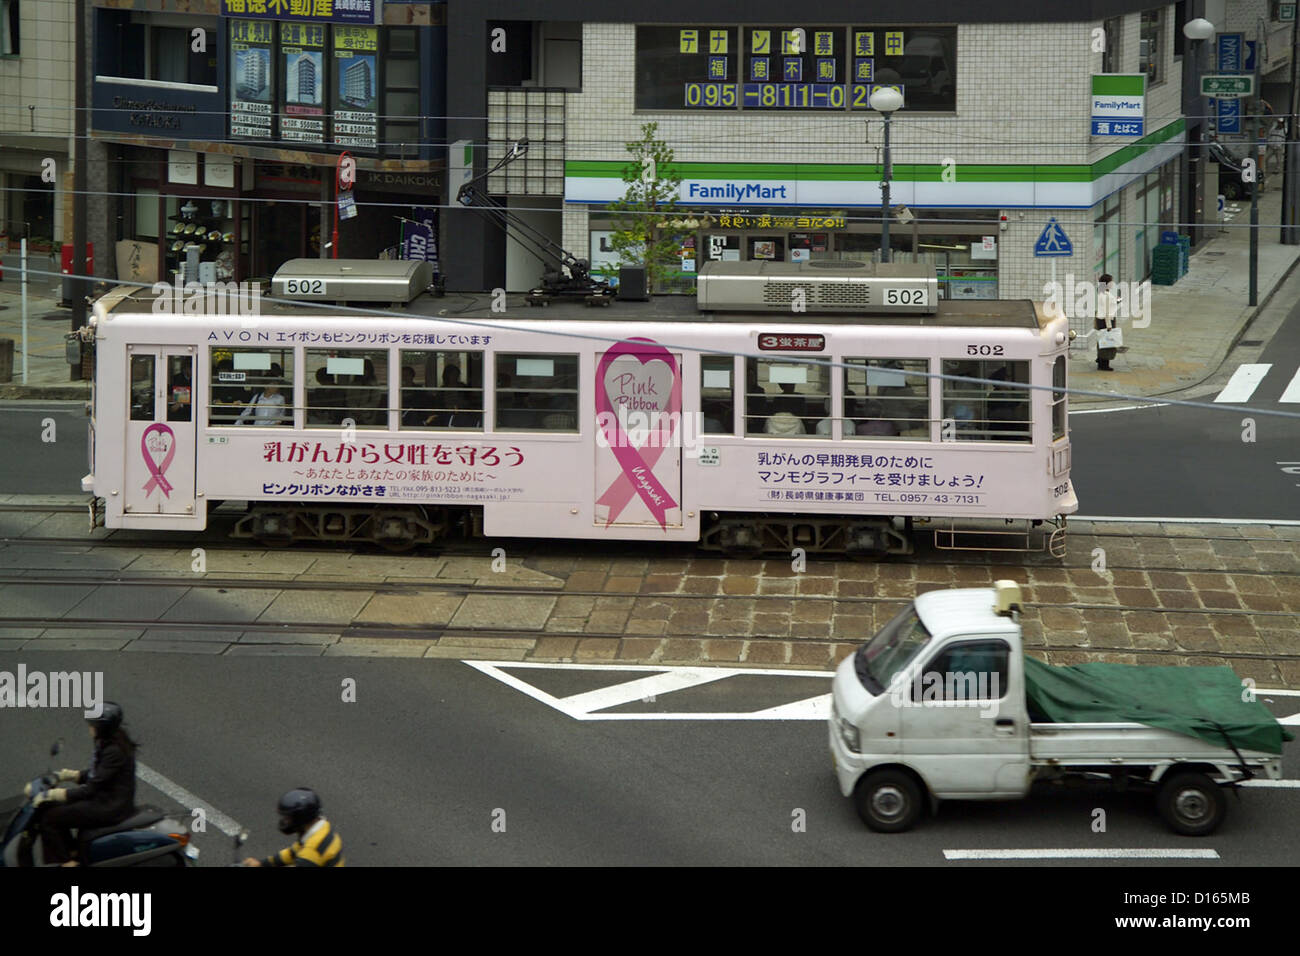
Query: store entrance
x=281 y=228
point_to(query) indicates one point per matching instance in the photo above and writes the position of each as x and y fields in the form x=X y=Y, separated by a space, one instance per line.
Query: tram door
x=639 y=441
x=159 y=450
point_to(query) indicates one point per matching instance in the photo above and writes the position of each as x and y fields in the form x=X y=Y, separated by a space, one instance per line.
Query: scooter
x=146 y=838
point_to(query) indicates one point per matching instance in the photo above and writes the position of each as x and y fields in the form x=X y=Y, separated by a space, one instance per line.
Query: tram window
x=537 y=392
x=718 y=394
x=1058 y=398
x=142 y=388
x=250 y=386
x=787 y=399
x=982 y=412
x=179 y=388
x=441 y=389
x=887 y=398
x=343 y=384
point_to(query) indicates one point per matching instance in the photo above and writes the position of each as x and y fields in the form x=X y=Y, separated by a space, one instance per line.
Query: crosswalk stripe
x=1243 y=383
x=1292 y=393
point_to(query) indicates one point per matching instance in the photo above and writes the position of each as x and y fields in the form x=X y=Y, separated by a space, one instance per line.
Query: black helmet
x=297 y=809
x=109 y=719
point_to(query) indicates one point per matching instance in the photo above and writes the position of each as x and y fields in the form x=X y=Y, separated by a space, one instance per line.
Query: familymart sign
x=1119 y=104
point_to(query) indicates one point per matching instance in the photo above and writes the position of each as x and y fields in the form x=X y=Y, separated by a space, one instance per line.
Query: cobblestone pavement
x=1129 y=593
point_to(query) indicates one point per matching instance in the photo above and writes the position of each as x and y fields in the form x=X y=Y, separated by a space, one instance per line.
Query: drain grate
x=1251 y=343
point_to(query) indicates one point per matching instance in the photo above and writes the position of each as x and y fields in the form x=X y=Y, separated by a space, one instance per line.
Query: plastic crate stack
x=1169 y=260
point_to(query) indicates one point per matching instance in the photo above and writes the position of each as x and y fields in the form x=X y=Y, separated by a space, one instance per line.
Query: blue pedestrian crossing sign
x=1053 y=241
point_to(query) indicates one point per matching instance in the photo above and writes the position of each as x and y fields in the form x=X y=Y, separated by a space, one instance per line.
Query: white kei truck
x=943 y=704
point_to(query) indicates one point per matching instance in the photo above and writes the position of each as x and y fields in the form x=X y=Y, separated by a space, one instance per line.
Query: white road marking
x=1272 y=784
x=1121 y=408
x=1292 y=393
x=640 y=689
x=814 y=708
x=1083 y=854
x=1243 y=383
x=663 y=679
x=182 y=796
x=1294 y=720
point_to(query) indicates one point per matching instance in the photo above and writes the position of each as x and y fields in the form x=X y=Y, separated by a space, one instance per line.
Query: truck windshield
x=877 y=661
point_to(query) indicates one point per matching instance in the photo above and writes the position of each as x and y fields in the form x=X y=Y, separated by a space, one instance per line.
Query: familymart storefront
x=978 y=231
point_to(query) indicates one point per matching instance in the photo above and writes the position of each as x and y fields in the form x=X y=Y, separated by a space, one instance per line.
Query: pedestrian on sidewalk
x=1105 y=320
x=1276 y=145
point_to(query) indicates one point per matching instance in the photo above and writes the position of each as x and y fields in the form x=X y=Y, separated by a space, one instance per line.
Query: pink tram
x=838 y=409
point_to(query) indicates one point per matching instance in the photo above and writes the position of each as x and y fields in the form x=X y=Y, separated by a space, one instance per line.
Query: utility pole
x=1291 y=169
x=79 y=287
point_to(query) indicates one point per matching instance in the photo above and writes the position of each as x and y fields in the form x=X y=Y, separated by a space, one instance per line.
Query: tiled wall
x=41 y=75
x=1023 y=96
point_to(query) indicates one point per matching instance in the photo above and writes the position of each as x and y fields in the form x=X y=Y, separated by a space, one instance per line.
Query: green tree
x=650 y=199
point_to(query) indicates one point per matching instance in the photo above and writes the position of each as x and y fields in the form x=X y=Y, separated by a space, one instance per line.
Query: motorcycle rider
x=103 y=795
x=317 y=843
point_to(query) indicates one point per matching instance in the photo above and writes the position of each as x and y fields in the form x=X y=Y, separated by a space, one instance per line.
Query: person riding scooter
x=104 y=794
x=317 y=843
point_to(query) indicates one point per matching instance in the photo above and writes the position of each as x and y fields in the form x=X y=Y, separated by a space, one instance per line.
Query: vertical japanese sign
x=251 y=79
x=302 y=56
x=1229 y=55
x=1119 y=104
x=420 y=237
x=356 y=86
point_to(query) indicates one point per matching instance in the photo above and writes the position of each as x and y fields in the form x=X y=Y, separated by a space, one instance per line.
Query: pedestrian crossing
x=1246 y=380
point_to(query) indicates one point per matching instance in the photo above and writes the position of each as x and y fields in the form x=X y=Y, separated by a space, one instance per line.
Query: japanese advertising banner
x=302 y=58
x=252 y=80
x=420 y=237
x=319 y=11
x=356 y=86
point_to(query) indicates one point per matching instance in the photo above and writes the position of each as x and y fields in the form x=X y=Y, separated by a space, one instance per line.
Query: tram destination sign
x=1227 y=85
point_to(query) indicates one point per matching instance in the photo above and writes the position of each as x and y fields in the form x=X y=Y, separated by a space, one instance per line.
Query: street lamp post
x=884 y=101
x=1197 y=32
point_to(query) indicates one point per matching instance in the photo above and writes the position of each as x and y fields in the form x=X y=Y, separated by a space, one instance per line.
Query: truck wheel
x=1192 y=804
x=888 y=801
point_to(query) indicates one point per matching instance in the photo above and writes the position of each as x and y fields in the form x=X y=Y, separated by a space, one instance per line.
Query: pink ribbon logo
x=638 y=469
x=156 y=470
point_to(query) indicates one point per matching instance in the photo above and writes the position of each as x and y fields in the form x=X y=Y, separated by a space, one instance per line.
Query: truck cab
x=940 y=704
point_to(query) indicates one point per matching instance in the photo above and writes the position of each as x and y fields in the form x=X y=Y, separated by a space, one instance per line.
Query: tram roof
x=951 y=313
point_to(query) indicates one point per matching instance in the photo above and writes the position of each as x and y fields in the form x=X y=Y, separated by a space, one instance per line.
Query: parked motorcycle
x=146 y=838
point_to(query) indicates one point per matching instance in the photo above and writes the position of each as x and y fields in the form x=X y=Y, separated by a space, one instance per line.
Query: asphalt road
x=432 y=752
x=31 y=465
x=1174 y=461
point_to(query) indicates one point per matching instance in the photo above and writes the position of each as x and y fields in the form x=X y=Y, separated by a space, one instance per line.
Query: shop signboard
x=1118 y=104
x=252 y=79
x=420 y=237
x=302 y=59
x=305 y=11
x=356 y=87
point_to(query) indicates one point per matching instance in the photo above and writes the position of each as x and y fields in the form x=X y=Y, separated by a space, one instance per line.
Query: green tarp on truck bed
x=1202 y=702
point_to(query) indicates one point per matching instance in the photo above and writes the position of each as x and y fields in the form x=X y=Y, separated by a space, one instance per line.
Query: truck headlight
x=849 y=734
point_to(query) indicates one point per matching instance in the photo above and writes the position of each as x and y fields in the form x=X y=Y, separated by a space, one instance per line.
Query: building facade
x=218 y=127
x=1024 y=149
x=36 y=125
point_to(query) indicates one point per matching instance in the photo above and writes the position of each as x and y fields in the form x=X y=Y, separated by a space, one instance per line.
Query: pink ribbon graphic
x=638 y=469
x=156 y=470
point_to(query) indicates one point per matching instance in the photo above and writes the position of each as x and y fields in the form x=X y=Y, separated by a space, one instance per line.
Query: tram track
x=552 y=552
x=427 y=633
x=419 y=586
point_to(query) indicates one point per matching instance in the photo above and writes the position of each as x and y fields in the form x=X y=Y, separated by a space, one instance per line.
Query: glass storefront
x=951 y=240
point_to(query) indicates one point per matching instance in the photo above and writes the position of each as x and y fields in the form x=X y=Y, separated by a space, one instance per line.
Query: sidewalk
x=1195 y=322
x=47 y=324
